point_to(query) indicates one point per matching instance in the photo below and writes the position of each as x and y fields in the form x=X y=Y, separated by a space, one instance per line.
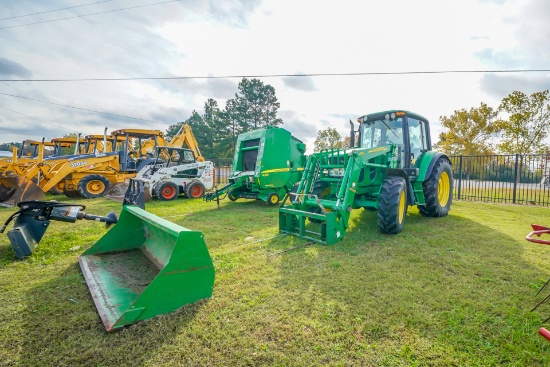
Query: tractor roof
x=378 y=115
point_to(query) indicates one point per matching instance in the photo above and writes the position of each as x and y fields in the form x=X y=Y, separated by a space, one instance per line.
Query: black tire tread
x=388 y=206
x=81 y=188
x=432 y=207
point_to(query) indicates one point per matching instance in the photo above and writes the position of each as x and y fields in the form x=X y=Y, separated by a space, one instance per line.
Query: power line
x=50 y=11
x=76 y=108
x=285 y=75
x=47 y=123
x=88 y=15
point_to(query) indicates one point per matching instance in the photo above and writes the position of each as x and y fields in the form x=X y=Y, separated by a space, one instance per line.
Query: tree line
x=519 y=125
x=216 y=129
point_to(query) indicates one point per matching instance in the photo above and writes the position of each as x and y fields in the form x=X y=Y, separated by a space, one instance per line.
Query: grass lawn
x=453 y=291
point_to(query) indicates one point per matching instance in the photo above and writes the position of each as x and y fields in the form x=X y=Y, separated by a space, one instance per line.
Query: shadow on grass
x=449 y=291
x=61 y=327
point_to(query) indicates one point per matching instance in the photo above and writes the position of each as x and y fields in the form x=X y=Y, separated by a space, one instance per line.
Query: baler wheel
x=393 y=205
x=438 y=191
x=273 y=199
x=231 y=196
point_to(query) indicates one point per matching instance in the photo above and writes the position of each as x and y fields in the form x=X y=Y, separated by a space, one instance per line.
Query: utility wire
x=76 y=108
x=49 y=11
x=88 y=15
x=48 y=123
x=285 y=75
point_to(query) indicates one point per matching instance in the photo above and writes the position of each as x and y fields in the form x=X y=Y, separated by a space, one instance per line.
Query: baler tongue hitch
x=33 y=218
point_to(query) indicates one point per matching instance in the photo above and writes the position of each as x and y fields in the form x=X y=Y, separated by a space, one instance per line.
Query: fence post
x=515 y=179
x=459 y=175
x=219 y=171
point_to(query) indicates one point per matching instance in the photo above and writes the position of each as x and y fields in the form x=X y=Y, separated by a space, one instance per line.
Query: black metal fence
x=515 y=178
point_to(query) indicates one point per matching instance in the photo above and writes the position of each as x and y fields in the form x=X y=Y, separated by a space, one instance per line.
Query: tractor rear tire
x=438 y=190
x=393 y=205
x=194 y=190
x=93 y=186
x=167 y=191
x=273 y=199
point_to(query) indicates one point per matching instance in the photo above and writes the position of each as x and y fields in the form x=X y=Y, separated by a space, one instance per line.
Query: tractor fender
x=402 y=173
x=427 y=163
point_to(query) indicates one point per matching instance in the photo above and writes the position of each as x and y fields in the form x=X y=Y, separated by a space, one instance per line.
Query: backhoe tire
x=167 y=191
x=232 y=196
x=58 y=189
x=70 y=193
x=438 y=190
x=392 y=206
x=194 y=190
x=93 y=186
x=273 y=199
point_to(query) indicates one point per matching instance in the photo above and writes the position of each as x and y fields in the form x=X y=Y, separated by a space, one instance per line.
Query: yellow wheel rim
x=274 y=199
x=60 y=186
x=95 y=187
x=402 y=204
x=443 y=189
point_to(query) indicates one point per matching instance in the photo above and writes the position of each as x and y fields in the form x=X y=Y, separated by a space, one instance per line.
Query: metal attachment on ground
x=33 y=218
x=538 y=231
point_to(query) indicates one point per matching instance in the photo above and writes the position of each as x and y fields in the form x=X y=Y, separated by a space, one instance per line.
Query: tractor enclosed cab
x=175 y=171
x=267 y=164
x=390 y=167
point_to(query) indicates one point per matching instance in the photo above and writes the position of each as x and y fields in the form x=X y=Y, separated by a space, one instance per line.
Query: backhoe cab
x=390 y=167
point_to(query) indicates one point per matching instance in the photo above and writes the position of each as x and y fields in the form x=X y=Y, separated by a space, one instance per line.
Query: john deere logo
x=78 y=164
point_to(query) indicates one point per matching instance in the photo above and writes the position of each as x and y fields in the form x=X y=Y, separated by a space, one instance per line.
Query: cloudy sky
x=156 y=39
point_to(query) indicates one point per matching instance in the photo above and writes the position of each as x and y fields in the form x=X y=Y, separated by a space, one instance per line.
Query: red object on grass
x=538 y=231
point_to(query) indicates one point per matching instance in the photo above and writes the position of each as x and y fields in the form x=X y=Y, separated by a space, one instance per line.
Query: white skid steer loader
x=176 y=171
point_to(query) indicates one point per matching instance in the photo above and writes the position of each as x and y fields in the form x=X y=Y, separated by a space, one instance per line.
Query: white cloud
x=263 y=38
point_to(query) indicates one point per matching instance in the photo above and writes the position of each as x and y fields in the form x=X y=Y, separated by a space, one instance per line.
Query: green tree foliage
x=256 y=104
x=470 y=132
x=328 y=138
x=528 y=123
x=216 y=130
x=9 y=146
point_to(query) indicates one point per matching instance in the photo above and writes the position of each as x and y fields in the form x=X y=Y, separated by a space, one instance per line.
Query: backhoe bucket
x=145 y=266
x=15 y=188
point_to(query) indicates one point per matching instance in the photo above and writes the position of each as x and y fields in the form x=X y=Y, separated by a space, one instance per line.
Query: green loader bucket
x=145 y=266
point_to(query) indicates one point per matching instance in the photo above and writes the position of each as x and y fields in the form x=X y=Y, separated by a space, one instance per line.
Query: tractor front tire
x=393 y=205
x=438 y=190
x=273 y=199
x=167 y=191
x=93 y=186
x=194 y=190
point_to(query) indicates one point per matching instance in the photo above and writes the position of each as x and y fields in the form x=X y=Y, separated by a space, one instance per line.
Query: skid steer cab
x=389 y=167
x=176 y=171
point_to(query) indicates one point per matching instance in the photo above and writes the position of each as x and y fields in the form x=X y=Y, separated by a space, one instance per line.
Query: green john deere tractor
x=391 y=167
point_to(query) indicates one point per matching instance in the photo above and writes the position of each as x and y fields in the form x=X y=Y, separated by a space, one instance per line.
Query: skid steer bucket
x=146 y=266
x=15 y=188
